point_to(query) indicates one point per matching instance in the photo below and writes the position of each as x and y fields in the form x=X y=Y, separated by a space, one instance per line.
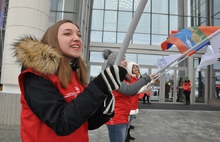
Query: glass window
x=4 y=6
x=155 y=71
x=190 y=21
x=120 y=37
x=59 y=16
x=159 y=24
x=53 y=5
x=141 y=39
x=189 y=9
x=202 y=9
x=60 y=6
x=216 y=4
x=144 y=70
x=111 y=4
x=110 y=20
x=70 y=16
x=217 y=65
x=216 y=86
x=52 y=18
x=126 y=5
x=203 y=22
x=163 y=8
x=97 y=20
x=96 y=36
x=173 y=23
x=216 y=19
x=109 y=37
x=173 y=7
x=96 y=57
x=131 y=57
x=143 y=24
x=94 y=71
x=144 y=59
x=148 y=6
x=71 y=5
x=56 y=16
x=158 y=39
x=98 y=4
x=67 y=10
x=194 y=8
x=124 y=21
x=199 y=87
x=196 y=62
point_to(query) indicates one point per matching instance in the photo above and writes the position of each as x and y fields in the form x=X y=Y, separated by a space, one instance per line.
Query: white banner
x=215 y=42
x=161 y=63
x=208 y=58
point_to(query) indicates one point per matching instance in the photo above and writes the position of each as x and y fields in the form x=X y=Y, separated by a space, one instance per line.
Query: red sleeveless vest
x=33 y=129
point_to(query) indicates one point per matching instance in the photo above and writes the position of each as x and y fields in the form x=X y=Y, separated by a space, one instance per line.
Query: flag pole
x=130 y=32
x=187 y=53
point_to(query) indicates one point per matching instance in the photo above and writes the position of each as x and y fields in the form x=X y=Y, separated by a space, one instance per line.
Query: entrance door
x=173 y=80
x=216 y=87
x=199 y=87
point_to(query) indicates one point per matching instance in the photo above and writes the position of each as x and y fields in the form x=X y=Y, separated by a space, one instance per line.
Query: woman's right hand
x=153 y=76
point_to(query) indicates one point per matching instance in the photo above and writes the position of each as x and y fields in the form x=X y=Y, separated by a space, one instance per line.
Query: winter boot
x=131 y=127
x=129 y=136
x=127 y=140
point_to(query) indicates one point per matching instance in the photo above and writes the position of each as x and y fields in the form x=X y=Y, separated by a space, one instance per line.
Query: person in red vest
x=118 y=125
x=187 y=89
x=133 y=70
x=57 y=103
x=217 y=89
x=146 y=94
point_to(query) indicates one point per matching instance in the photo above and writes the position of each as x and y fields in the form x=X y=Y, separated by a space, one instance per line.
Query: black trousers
x=148 y=98
x=187 y=96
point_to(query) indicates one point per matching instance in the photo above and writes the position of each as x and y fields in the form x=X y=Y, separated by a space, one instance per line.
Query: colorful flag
x=189 y=37
x=208 y=58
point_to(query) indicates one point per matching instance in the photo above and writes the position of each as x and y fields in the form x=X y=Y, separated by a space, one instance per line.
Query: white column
x=24 y=17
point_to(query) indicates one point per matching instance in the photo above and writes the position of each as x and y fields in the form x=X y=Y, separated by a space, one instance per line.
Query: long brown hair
x=64 y=71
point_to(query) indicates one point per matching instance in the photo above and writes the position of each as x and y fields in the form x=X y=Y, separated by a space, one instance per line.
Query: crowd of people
x=58 y=104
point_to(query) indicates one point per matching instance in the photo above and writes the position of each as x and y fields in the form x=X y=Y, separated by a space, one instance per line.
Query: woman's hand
x=153 y=76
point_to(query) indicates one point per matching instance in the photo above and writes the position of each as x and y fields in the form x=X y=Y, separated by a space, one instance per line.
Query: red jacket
x=186 y=86
x=135 y=98
x=34 y=130
x=122 y=109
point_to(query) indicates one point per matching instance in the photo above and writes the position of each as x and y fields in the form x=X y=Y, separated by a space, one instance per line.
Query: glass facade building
x=111 y=21
x=104 y=25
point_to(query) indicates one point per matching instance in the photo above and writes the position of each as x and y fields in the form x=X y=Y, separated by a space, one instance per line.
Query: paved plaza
x=157 y=125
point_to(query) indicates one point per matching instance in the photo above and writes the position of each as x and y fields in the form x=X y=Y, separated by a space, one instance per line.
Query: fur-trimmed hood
x=129 y=69
x=31 y=53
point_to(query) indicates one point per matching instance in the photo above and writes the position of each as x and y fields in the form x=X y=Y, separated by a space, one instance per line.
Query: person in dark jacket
x=57 y=103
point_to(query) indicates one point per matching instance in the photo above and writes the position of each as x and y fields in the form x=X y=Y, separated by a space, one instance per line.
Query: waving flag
x=210 y=57
x=161 y=63
x=215 y=43
x=189 y=37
